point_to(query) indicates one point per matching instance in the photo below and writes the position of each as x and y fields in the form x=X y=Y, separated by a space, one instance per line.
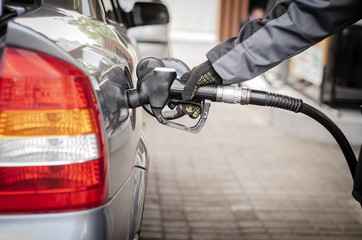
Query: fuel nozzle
x=155 y=80
x=153 y=88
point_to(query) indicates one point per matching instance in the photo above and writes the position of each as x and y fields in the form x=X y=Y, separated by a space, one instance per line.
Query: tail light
x=52 y=148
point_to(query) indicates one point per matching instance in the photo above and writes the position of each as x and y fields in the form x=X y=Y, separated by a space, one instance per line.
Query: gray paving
x=243 y=179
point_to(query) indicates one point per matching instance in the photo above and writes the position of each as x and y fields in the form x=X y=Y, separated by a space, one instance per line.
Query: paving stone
x=354 y=235
x=230 y=236
x=270 y=215
x=172 y=215
x=254 y=231
x=175 y=224
x=153 y=214
x=247 y=215
x=151 y=228
x=328 y=227
x=339 y=238
x=201 y=226
x=351 y=228
x=256 y=237
x=276 y=224
x=225 y=225
x=204 y=236
x=197 y=216
x=220 y=216
x=145 y=235
x=343 y=217
x=177 y=236
x=250 y=224
x=282 y=236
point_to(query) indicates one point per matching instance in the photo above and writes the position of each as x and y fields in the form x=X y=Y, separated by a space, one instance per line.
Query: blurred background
x=255 y=173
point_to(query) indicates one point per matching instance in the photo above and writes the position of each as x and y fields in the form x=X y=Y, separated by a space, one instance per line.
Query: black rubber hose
x=275 y=100
x=297 y=105
x=336 y=133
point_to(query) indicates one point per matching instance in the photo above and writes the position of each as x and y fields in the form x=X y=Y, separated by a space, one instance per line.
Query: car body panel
x=102 y=50
x=97 y=223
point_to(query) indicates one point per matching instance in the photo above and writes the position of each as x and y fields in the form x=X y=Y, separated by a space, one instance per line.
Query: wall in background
x=194 y=20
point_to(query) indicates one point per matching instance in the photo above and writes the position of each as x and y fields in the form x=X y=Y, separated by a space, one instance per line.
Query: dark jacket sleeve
x=290 y=28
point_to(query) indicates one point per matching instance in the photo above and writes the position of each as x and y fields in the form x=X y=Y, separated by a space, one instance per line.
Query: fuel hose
x=246 y=96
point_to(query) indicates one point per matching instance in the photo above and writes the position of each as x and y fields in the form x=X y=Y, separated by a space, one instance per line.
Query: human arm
x=291 y=27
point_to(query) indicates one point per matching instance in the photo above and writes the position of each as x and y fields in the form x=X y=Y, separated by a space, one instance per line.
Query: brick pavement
x=243 y=179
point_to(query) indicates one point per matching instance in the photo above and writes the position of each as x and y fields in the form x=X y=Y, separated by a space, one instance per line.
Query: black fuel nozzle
x=156 y=88
x=153 y=88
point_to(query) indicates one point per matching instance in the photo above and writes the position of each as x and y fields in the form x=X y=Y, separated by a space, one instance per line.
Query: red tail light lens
x=52 y=148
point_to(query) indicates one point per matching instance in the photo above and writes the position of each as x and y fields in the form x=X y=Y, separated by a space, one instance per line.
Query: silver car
x=73 y=158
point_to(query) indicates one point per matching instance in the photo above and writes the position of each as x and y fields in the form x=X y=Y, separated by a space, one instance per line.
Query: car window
x=111 y=13
x=117 y=10
x=126 y=5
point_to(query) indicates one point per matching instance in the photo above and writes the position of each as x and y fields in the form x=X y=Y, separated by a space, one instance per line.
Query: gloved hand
x=200 y=75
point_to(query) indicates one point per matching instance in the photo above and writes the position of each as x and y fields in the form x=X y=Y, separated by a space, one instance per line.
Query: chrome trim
x=219 y=93
x=245 y=96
